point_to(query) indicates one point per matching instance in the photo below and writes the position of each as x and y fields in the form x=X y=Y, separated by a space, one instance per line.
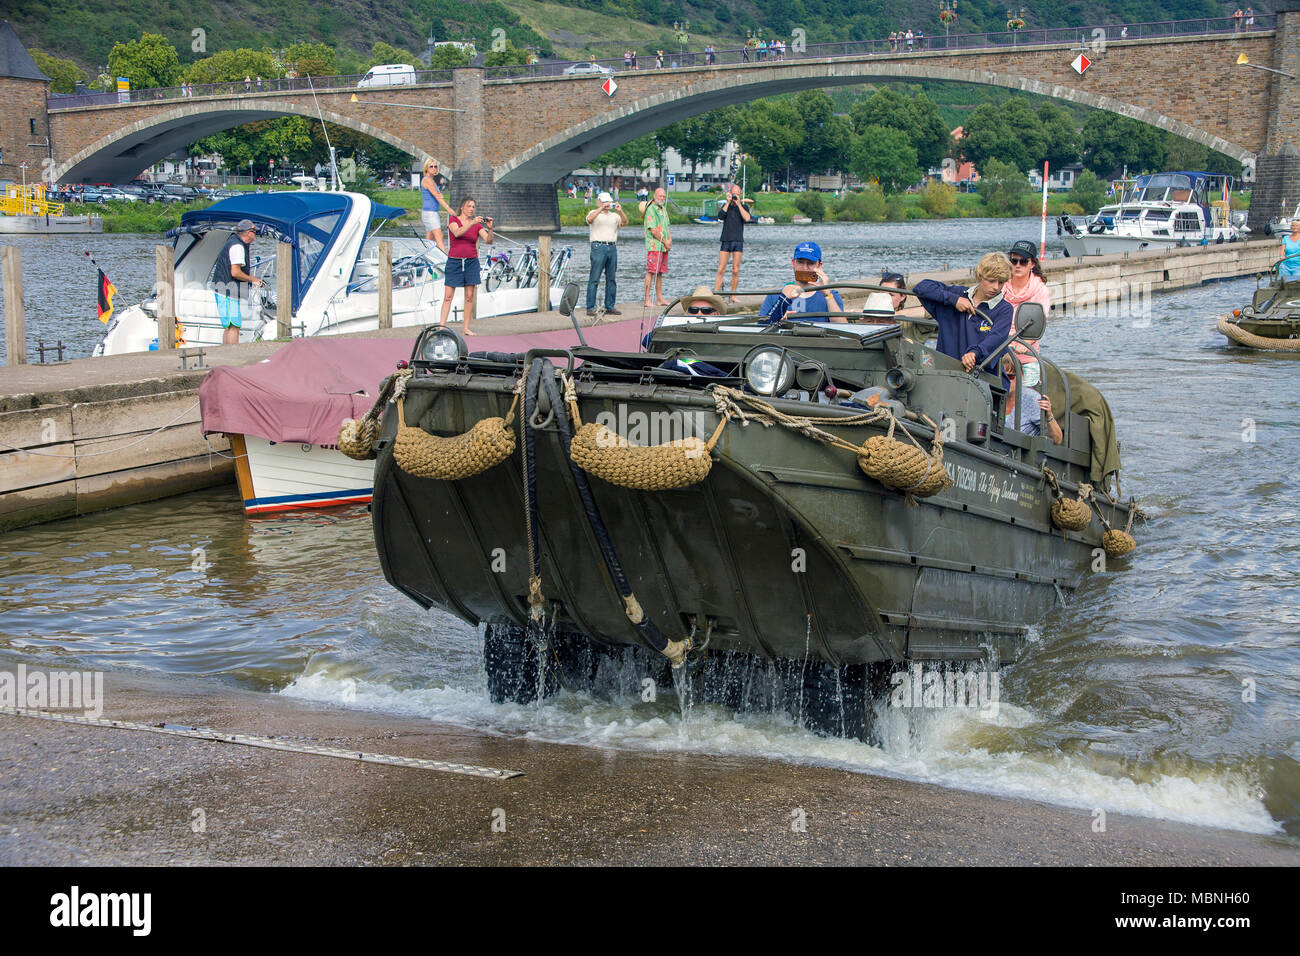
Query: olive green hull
x=787 y=545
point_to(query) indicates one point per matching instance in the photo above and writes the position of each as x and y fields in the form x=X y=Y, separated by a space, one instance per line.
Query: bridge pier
x=1277 y=170
x=529 y=207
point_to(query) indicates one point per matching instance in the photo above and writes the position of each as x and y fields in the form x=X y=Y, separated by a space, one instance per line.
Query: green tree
x=1061 y=144
x=826 y=137
x=509 y=55
x=812 y=205
x=641 y=153
x=1026 y=132
x=312 y=59
x=448 y=58
x=884 y=156
x=986 y=136
x=382 y=53
x=1113 y=142
x=149 y=62
x=229 y=66
x=938 y=198
x=916 y=116
x=1088 y=191
x=64 y=74
x=771 y=131
x=697 y=139
x=1004 y=189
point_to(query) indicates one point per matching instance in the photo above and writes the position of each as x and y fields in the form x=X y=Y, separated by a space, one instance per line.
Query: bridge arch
x=557 y=156
x=122 y=154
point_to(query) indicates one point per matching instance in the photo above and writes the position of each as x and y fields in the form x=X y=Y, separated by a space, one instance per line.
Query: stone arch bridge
x=510 y=140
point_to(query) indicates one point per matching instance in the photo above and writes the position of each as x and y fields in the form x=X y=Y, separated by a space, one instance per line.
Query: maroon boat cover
x=305 y=391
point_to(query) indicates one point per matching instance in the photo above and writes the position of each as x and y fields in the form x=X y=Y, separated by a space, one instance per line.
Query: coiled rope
x=1069 y=514
x=895 y=464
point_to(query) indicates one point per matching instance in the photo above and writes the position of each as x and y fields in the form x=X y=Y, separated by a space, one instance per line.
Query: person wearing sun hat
x=803 y=294
x=1026 y=283
x=702 y=300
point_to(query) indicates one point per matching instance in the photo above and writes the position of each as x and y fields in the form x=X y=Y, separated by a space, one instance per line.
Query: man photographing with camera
x=734 y=215
x=604 y=222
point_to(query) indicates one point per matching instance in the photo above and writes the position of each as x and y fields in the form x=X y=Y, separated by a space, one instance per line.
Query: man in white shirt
x=604 y=221
x=231 y=280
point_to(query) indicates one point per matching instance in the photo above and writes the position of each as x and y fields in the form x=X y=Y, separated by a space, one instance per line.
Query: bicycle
x=499 y=270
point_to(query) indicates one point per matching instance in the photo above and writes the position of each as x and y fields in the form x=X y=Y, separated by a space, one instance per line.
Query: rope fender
x=1249 y=339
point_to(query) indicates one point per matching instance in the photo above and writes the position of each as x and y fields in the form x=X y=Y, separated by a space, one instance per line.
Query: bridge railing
x=1086 y=38
x=238 y=88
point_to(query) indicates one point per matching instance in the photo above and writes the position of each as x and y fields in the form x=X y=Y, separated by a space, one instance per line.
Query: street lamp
x=1014 y=22
x=947 y=14
x=1243 y=60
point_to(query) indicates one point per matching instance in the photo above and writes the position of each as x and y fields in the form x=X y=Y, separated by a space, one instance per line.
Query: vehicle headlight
x=769 y=370
x=440 y=345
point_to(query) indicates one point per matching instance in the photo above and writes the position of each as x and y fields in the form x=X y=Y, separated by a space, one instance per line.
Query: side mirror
x=1031 y=320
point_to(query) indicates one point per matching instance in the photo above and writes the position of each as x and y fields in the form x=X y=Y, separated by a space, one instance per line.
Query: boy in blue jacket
x=972 y=322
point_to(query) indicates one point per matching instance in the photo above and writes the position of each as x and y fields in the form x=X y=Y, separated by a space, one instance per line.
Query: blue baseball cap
x=808 y=250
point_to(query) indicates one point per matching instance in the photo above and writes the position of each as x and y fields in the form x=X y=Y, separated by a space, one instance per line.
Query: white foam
x=955 y=748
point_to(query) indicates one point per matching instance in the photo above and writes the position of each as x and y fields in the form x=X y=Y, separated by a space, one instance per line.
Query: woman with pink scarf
x=1026 y=283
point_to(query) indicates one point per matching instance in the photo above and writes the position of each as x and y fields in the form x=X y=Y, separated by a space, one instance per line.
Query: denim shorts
x=462 y=272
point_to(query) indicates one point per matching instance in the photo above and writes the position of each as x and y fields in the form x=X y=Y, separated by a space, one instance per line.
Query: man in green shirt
x=658 y=240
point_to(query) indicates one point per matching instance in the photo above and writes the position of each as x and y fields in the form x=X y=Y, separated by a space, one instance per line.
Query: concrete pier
x=100 y=433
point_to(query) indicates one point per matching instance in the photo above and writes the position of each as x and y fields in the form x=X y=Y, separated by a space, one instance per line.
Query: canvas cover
x=305 y=391
x=1087 y=401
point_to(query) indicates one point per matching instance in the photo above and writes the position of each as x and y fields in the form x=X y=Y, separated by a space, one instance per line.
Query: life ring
x=1096 y=227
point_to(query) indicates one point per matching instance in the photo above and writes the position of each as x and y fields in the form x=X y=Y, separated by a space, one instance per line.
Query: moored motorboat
x=1157 y=211
x=836 y=499
x=334 y=285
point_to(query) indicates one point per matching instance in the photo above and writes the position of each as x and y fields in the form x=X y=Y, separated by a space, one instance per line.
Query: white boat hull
x=1103 y=245
x=286 y=476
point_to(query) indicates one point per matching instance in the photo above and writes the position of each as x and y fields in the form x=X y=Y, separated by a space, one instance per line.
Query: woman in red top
x=462 y=258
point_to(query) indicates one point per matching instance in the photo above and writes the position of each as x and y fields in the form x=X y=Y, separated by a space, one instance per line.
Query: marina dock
x=99 y=433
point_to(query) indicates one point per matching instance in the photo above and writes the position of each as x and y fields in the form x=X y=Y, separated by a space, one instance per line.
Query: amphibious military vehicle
x=1271 y=320
x=819 y=504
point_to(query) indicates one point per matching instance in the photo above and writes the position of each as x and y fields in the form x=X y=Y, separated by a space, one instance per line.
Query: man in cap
x=231 y=281
x=803 y=295
x=603 y=222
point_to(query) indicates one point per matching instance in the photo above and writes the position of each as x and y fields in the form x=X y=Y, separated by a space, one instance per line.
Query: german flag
x=106 y=292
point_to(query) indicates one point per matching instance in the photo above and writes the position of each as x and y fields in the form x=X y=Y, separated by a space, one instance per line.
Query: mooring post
x=283 y=290
x=165 y=267
x=15 y=318
x=385 y=285
x=543 y=272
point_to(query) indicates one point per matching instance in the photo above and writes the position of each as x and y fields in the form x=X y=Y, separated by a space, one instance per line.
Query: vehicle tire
x=836 y=708
x=1096 y=228
x=510 y=660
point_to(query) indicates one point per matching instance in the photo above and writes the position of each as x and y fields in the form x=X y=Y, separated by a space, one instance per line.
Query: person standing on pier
x=658 y=242
x=462 y=262
x=734 y=216
x=231 y=281
x=604 y=222
x=432 y=185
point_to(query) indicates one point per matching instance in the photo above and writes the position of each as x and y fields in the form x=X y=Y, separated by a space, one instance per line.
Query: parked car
x=139 y=191
x=88 y=194
x=580 y=68
x=181 y=192
x=113 y=194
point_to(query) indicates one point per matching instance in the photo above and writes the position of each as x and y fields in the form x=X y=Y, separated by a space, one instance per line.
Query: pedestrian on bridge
x=248 y=84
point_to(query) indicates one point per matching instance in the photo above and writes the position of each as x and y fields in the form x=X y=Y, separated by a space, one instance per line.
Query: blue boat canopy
x=309 y=221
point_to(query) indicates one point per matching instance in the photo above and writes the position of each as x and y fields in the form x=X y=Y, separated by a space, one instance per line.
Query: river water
x=1168 y=687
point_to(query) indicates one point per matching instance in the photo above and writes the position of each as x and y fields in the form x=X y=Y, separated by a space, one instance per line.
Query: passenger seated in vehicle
x=873 y=306
x=973 y=321
x=802 y=295
x=1036 y=408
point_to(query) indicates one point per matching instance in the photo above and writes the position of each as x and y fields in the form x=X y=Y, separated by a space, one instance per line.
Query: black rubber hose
x=530 y=462
x=506 y=358
x=646 y=627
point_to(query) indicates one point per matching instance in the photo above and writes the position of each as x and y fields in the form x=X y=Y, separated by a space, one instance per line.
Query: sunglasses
x=702 y=310
x=1018 y=261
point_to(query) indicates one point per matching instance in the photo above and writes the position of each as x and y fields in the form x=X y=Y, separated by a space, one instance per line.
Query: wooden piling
x=165 y=268
x=283 y=290
x=543 y=272
x=385 y=285
x=15 y=317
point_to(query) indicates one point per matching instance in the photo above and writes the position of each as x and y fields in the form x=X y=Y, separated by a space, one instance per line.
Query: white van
x=389 y=74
